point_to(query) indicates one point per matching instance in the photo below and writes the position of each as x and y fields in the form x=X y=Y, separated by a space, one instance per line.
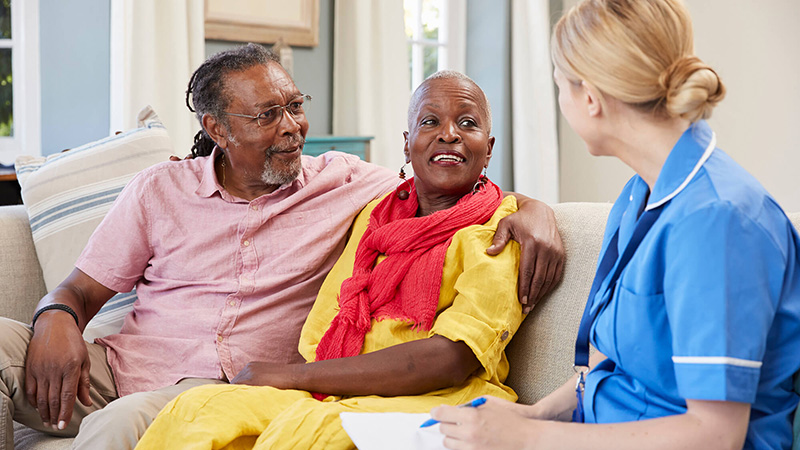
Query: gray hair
x=416 y=97
x=208 y=91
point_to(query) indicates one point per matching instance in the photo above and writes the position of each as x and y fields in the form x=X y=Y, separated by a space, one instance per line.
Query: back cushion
x=68 y=194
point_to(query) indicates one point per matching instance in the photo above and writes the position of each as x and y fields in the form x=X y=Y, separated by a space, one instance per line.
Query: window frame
x=24 y=45
x=451 y=43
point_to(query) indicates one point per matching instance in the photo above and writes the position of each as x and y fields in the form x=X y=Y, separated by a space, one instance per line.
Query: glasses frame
x=258 y=118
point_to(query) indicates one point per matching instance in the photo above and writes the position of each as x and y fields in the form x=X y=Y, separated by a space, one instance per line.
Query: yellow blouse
x=477 y=303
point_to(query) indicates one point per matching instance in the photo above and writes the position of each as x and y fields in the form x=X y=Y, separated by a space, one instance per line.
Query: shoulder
x=183 y=172
x=478 y=235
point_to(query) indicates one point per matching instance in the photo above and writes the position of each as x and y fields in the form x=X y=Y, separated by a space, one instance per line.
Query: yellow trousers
x=234 y=417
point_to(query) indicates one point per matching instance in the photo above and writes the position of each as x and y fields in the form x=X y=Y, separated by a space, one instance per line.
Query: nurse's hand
x=497 y=424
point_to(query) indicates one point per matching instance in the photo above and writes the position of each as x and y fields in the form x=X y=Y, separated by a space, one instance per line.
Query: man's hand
x=57 y=369
x=259 y=373
x=542 y=252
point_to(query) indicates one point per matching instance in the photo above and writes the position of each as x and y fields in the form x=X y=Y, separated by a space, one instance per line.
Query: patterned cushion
x=68 y=194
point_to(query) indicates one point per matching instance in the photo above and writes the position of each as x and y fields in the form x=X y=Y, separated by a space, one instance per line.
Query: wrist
x=51 y=309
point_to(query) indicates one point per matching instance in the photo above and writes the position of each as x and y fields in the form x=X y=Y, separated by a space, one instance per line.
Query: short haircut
x=416 y=97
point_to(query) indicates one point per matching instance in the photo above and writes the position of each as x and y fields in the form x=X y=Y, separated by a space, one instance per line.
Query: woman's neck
x=429 y=204
x=645 y=144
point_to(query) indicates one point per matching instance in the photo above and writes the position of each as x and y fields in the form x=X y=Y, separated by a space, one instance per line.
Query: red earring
x=402 y=194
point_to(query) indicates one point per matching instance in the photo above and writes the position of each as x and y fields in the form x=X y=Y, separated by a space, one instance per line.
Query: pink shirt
x=221 y=281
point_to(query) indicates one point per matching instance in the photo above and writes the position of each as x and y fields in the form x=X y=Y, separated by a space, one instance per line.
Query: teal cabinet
x=355 y=145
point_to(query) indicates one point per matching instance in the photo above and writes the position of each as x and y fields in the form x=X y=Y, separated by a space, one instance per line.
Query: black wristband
x=58 y=306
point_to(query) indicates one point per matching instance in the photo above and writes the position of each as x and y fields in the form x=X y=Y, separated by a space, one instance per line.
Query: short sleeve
x=119 y=249
x=723 y=279
x=485 y=313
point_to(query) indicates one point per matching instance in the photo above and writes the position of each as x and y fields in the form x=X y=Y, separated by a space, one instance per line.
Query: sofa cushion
x=542 y=352
x=68 y=194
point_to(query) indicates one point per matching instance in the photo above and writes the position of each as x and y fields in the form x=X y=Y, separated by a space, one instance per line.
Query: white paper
x=391 y=431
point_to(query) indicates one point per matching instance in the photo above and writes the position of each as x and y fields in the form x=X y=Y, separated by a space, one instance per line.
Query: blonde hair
x=640 y=52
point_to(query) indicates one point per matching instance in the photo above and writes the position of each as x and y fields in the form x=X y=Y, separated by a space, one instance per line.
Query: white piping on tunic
x=717 y=360
x=703 y=159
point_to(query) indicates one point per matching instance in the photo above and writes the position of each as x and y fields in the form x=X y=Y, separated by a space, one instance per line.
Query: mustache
x=295 y=140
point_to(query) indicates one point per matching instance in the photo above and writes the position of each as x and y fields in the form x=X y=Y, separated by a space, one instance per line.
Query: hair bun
x=691 y=89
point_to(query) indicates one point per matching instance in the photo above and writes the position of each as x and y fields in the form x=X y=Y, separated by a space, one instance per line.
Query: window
x=436 y=32
x=19 y=79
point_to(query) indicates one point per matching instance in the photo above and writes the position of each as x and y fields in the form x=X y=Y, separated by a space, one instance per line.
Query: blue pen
x=473 y=404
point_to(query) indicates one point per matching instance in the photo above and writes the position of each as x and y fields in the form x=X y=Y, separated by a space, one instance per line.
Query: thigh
x=219 y=416
x=14 y=340
x=122 y=423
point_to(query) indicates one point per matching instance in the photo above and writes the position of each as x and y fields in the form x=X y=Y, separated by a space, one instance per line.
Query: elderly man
x=226 y=252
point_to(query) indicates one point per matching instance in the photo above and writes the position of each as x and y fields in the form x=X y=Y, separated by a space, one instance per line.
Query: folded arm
x=411 y=368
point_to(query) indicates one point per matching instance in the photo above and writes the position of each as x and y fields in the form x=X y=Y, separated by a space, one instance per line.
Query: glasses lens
x=297 y=107
x=269 y=116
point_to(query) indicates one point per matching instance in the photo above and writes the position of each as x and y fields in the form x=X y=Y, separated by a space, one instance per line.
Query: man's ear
x=216 y=130
x=592 y=97
x=405 y=147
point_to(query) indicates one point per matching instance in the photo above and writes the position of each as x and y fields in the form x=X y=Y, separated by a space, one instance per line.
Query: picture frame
x=263 y=21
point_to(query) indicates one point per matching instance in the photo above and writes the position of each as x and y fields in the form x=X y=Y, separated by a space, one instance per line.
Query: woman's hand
x=497 y=424
x=260 y=373
x=542 y=252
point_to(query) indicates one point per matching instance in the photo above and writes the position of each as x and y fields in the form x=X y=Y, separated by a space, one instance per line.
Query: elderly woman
x=695 y=308
x=414 y=309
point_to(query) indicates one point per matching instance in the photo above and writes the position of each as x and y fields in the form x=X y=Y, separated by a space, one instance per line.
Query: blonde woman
x=695 y=308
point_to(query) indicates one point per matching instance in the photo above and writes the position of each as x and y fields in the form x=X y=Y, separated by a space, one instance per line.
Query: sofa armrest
x=21 y=281
x=541 y=354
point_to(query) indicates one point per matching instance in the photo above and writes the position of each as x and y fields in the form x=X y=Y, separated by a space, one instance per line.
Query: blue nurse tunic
x=708 y=308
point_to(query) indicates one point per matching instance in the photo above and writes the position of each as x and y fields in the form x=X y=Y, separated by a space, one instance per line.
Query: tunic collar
x=684 y=161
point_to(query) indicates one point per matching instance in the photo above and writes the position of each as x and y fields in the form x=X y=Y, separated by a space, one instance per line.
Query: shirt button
x=246 y=243
x=504 y=336
x=219 y=337
x=255 y=208
x=631 y=197
x=232 y=303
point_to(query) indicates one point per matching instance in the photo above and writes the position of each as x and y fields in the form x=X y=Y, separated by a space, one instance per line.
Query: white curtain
x=535 y=141
x=371 y=76
x=155 y=47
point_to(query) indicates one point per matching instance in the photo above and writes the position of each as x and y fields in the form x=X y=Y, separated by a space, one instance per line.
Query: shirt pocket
x=642 y=337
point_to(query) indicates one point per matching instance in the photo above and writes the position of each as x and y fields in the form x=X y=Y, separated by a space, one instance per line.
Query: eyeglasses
x=273 y=115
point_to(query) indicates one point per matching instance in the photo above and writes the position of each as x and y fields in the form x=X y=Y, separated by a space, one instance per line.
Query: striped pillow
x=68 y=194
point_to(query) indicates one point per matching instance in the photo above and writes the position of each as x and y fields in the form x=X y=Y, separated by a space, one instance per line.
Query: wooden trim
x=8 y=177
x=304 y=31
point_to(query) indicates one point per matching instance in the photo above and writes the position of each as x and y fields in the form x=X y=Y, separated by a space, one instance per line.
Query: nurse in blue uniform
x=695 y=309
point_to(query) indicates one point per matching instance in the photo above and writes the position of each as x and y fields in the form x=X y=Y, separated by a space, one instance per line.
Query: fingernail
x=525 y=300
x=47 y=424
x=62 y=425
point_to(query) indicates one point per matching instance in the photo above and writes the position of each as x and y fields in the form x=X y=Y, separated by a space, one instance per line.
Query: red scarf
x=404 y=286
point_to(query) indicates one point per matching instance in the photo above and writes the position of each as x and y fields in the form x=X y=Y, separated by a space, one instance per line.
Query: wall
x=489 y=64
x=313 y=70
x=752 y=45
x=74 y=52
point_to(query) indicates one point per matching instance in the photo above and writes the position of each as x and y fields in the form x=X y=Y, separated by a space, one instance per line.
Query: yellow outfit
x=477 y=305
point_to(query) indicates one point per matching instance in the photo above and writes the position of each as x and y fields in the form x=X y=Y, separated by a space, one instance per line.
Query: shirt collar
x=209 y=184
x=684 y=161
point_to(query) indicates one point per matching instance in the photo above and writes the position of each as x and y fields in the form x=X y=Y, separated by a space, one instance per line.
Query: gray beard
x=277 y=177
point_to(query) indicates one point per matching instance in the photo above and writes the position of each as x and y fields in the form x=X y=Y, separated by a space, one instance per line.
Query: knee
x=14 y=339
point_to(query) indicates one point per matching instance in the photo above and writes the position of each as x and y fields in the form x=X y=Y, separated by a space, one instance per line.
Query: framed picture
x=264 y=21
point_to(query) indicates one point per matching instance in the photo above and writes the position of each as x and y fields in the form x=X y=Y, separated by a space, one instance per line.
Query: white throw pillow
x=68 y=194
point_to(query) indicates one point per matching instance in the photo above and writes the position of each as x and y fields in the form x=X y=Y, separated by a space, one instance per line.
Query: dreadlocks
x=207 y=87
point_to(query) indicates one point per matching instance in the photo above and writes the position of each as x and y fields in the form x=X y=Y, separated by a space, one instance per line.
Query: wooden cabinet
x=356 y=145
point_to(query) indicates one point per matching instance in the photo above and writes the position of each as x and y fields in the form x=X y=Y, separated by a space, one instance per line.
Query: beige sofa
x=540 y=355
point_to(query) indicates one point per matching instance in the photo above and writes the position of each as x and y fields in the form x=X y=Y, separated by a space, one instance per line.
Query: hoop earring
x=402 y=194
x=480 y=183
